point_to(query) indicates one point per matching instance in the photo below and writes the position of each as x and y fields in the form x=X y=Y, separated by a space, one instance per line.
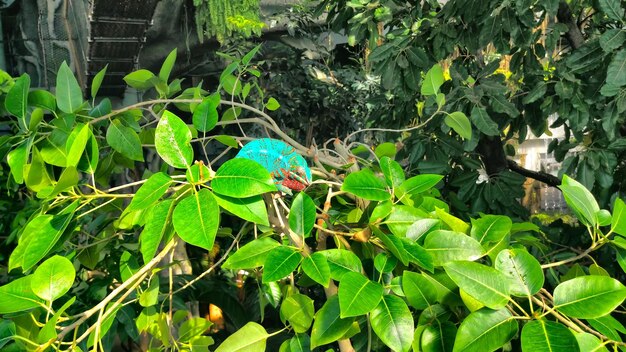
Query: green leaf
x=358 y=295
x=454 y=223
x=342 y=261
x=616 y=73
x=168 y=64
x=193 y=327
x=432 y=81
x=42 y=99
x=69 y=94
x=49 y=331
x=302 y=215
x=231 y=84
x=485 y=330
x=523 y=271
x=366 y=185
x=272 y=104
x=172 y=140
x=251 y=338
x=419 y=184
x=580 y=200
x=485 y=284
x=386 y=149
x=76 y=143
x=402 y=217
x=317 y=268
x=393 y=323
x=448 y=246
x=491 y=228
x=18 y=296
x=483 y=122
x=16 y=159
x=417 y=254
x=53 y=278
x=298 y=310
x=241 y=177
x=150 y=296
x=421 y=228
x=150 y=192
x=227 y=141
x=16 y=101
x=612 y=9
x=420 y=292
x=393 y=244
x=205 y=115
x=124 y=140
x=385 y=263
x=618 y=223
x=250 y=208
x=280 y=262
x=196 y=219
x=548 y=336
x=251 y=255
x=97 y=81
x=328 y=325
x=394 y=175
x=438 y=336
x=300 y=343
x=612 y=39
x=157 y=227
x=537 y=92
x=140 y=79
x=36 y=116
x=589 y=296
x=460 y=124
x=589 y=342
x=38 y=238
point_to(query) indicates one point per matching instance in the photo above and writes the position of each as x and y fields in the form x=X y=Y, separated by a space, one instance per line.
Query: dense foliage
x=123 y=231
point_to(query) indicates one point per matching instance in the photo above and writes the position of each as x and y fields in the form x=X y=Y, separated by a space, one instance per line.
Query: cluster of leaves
x=572 y=69
x=223 y=19
x=370 y=250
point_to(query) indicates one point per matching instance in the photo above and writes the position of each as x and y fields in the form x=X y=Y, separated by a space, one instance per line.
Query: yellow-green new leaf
x=252 y=255
x=460 y=124
x=150 y=192
x=53 y=278
x=172 y=140
x=485 y=284
x=251 y=337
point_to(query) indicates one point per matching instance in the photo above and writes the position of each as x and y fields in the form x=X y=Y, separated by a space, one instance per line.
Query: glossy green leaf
x=193 y=327
x=548 y=336
x=272 y=104
x=42 y=99
x=172 y=141
x=36 y=174
x=419 y=291
x=365 y=184
x=250 y=338
x=422 y=227
x=158 y=226
x=76 y=143
x=227 y=141
x=250 y=208
x=394 y=175
x=618 y=223
x=448 y=246
x=342 y=261
x=589 y=296
x=419 y=184
x=36 y=116
x=460 y=124
x=386 y=149
x=485 y=330
x=402 y=217
x=280 y=262
x=97 y=81
x=432 y=81
x=589 y=342
x=300 y=343
x=16 y=159
x=49 y=330
x=53 y=278
x=124 y=140
x=490 y=228
x=150 y=192
x=454 y=223
x=18 y=296
x=522 y=270
x=140 y=79
x=105 y=325
x=317 y=268
x=484 y=283
x=168 y=65
x=196 y=219
x=68 y=91
x=358 y=295
x=328 y=325
x=438 y=336
x=393 y=244
x=417 y=254
x=242 y=178
x=302 y=215
x=385 y=263
x=580 y=200
x=483 y=122
x=150 y=296
x=393 y=323
x=252 y=255
x=205 y=115
x=16 y=101
x=38 y=238
x=298 y=310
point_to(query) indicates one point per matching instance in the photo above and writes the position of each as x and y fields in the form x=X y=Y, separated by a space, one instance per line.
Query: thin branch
x=546 y=178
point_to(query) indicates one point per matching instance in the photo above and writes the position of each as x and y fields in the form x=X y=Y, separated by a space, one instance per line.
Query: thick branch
x=574 y=35
x=548 y=179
